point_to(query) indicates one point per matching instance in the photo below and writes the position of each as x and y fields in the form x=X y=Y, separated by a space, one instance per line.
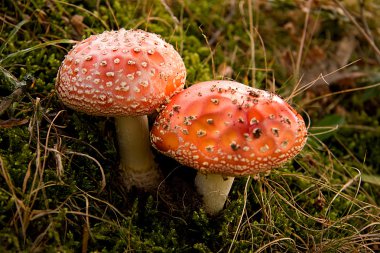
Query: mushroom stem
x=137 y=164
x=214 y=189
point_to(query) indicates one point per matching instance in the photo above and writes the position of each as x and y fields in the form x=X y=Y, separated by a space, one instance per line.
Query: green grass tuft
x=58 y=168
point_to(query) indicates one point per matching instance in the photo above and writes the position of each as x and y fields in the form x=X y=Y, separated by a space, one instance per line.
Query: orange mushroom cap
x=225 y=127
x=120 y=73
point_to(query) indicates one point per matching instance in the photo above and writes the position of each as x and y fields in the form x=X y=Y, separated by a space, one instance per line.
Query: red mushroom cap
x=228 y=128
x=120 y=73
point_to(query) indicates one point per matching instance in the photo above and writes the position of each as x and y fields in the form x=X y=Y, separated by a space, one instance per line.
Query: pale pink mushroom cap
x=228 y=128
x=120 y=73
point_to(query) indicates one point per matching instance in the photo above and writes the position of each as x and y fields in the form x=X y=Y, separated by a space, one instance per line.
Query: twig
x=96 y=161
x=303 y=38
x=167 y=8
x=342 y=92
x=242 y=213
x=252 y=40
x=211 y=53
x=227 y=20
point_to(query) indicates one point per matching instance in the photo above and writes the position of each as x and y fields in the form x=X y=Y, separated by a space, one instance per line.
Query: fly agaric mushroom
x=226 y=129
x=124 y=74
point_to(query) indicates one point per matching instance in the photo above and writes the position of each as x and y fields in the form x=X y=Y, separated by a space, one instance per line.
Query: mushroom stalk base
x=214 y=189
x=137 y=164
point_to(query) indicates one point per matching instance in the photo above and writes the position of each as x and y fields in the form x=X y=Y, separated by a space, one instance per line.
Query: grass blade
x=39 y=46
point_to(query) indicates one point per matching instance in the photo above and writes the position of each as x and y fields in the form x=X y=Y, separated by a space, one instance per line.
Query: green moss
x=310 y=203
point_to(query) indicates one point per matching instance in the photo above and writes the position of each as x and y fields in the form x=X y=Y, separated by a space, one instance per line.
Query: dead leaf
x=6 y=102
x=78 y=25
x=13 y=122
x=291 y=28
x=225 y=70
x=318 y=63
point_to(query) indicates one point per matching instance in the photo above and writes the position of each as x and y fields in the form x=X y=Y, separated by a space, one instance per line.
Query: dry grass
x=321 y=202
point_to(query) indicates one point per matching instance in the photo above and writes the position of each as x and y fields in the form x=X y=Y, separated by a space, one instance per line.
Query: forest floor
x=59 y=187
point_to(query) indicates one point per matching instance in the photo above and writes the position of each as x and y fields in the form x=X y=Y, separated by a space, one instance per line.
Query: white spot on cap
x=210 y=148
x=215 y=101
x=201 y=133
x=284 y=144
x=264 y=148
x=275 y=131
x=131 y=76
x=253 y=121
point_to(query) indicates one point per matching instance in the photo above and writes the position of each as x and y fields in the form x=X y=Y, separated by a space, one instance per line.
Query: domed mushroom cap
x=120 y=73
x=225 y=127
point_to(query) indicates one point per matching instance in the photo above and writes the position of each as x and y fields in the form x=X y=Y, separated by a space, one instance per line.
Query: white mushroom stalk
x=137 y=164
x=214 y=189
x=126 y=74
x=226 y=129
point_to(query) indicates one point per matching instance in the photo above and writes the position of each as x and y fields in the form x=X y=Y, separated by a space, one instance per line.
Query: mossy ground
x=58 y=184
